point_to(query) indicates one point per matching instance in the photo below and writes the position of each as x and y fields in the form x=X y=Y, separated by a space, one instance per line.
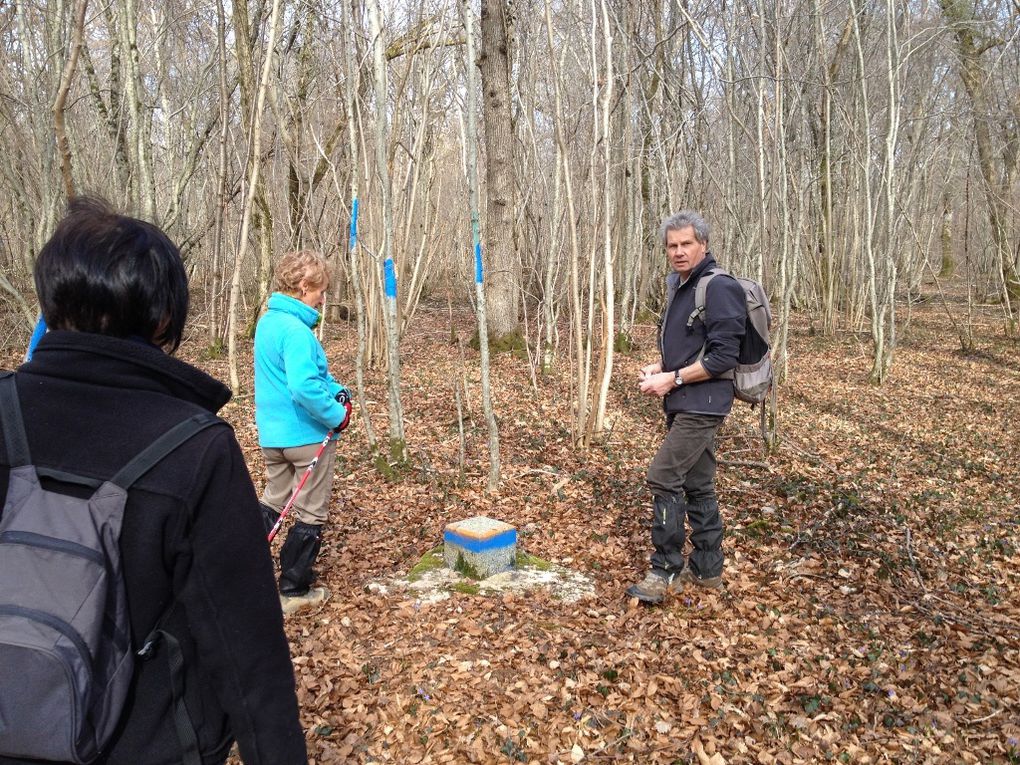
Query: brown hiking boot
x=709 y=583
x=655 y=587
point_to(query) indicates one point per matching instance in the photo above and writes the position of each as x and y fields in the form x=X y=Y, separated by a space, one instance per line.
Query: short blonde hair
x=302 y=265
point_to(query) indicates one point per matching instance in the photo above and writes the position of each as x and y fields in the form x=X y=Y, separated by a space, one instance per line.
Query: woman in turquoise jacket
x=297 y=402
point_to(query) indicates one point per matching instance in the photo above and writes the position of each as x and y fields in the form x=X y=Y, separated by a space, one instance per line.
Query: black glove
x=344 y=399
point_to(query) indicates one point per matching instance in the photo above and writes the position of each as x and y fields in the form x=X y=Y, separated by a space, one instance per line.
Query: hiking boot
x=315 y=596
x=709 y=582
x=297 y=555
x=655 y=587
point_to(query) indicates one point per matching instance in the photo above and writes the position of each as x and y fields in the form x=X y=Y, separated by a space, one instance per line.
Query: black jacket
x=719 y=330
x=192 y=531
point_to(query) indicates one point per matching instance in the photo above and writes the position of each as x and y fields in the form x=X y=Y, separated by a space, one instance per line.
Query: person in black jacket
x=695 y=352
x=98 y=390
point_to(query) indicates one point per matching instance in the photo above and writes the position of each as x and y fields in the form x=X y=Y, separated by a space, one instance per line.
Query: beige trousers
x=284 y=469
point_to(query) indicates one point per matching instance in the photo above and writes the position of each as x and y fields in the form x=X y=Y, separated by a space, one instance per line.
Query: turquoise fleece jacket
x=294 y=391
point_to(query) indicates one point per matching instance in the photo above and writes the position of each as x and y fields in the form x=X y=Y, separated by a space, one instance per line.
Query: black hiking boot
x=297 y=555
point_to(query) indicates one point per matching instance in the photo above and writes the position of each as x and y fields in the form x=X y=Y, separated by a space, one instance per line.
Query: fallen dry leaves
x=870 y=613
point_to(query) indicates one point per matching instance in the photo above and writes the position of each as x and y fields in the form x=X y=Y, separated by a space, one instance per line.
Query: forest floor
x=871 y=611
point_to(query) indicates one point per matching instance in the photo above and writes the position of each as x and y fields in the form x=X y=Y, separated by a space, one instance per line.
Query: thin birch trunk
x=877 y=324
x=883 y=362
x=562 y=148
x=388 y=276
x=609 y=317
x=254 y=168
x=549 y=313
x=472 y=162
x=763 y=211
x=222 y=197
x=353 y=253
x=781 y=168
x=138 y=126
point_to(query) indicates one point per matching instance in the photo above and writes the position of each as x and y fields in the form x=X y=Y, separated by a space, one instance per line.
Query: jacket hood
x=280 y=302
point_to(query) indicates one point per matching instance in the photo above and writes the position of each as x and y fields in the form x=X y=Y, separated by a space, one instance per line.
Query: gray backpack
x=66 y=658
x=752 y=377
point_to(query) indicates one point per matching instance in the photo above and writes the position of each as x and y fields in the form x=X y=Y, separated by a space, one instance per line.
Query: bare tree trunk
x=877 y=313
x=549 y=312
x=480 y=297
x=352 y=74
x=109 y=92
x=884 y=362
x=504 y=274
x=829 y=264
x=782 y=169
x=580 y=422
x=398 y=445
x=765 y=241
x=138 y=127
x=962 y=17
x=254 y=169
x=609 y=296
x=222 y=197
x=261 y=215
x=59 y=126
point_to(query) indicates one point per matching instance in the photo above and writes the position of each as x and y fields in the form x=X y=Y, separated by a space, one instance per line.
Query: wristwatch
x=677 y=378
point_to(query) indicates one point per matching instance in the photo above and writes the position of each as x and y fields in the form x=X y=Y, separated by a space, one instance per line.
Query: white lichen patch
x=438 y=584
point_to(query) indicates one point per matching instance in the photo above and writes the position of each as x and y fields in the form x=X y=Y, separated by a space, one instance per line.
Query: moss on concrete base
x=430 y=561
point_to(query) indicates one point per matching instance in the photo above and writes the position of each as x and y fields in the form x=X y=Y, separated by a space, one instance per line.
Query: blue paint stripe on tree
x=37 y=333
x=478 y=262
x=503 y=539
x=354 y=223
x=391 y=278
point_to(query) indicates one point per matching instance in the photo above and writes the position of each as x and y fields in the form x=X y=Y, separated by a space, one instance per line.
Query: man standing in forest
x=698 y=349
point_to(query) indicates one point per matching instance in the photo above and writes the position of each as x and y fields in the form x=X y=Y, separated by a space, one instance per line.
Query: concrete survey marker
x=480 y=556
x=480 y=547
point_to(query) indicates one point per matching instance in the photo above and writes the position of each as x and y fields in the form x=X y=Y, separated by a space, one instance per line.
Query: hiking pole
x=308 y=472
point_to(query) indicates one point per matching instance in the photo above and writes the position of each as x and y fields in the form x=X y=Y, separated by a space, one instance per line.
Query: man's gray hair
x=683 y=219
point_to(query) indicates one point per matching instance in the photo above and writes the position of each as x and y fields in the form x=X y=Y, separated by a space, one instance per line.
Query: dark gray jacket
x=719 y=330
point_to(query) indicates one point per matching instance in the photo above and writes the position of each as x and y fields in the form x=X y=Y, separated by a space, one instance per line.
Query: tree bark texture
x=503 y=279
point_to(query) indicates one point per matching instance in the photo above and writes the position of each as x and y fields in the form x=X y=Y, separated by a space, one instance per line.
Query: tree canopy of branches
x=843 y=153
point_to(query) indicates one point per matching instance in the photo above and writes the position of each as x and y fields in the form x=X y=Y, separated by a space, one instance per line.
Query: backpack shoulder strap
x=161 y=447
x=700 y=291
x=12 y=423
